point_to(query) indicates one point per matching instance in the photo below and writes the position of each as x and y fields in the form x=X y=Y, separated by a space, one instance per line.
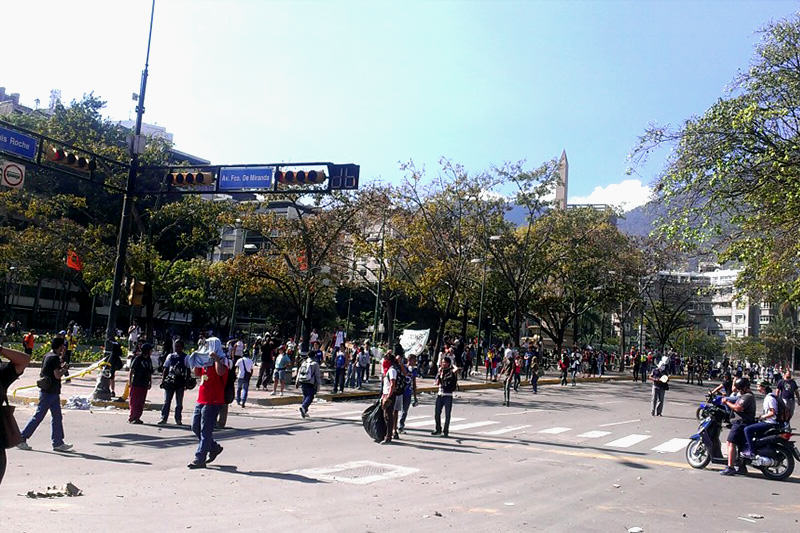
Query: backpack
x=401 y=384
x=303 y=374
x=780 y=414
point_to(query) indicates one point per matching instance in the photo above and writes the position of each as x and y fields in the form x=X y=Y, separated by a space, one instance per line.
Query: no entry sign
x=12 y=174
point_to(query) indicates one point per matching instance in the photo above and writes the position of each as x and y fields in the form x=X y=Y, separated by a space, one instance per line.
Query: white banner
x=413 y=341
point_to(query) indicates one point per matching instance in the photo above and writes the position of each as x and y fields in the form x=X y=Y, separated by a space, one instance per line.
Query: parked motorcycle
x=774 y=452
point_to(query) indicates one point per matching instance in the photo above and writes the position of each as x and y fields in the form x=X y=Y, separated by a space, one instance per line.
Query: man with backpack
x=244 y=370
x=309 y=380
x=774 y=412
x=174 y=380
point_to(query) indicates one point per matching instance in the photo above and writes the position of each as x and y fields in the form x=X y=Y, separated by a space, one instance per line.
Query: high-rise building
x=563 y=179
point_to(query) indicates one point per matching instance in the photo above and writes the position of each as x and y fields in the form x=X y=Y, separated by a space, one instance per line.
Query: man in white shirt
x=391 y=399
x=238 y=349
x=339 y=337
x=244 y=370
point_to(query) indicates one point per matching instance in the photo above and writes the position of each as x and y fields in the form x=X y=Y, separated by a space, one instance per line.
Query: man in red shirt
x=210 y=398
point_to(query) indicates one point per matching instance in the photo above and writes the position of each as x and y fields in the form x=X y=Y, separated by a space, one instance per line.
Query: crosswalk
x=612 y=435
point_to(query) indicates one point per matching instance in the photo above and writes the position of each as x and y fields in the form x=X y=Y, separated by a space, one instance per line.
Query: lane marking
x=594 y=434
x=555 y=431
x=672 y=445
x=471 y=425
x=431 y=422
x=518 y=412
x=608 y=457
x=620 y=423
x=505 y=430
x=627 y=442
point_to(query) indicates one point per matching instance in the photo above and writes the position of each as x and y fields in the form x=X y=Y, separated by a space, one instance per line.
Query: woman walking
x=140 y=380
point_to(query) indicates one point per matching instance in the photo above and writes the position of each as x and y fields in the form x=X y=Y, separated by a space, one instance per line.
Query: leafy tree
x=733 y=180
x=693 y=341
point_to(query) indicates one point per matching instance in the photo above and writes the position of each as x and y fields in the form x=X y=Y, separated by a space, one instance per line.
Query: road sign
x=12 y=174
x=18 y=144
x=245 y=178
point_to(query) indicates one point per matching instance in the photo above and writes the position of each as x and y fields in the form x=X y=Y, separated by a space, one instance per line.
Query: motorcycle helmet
x=742 y=383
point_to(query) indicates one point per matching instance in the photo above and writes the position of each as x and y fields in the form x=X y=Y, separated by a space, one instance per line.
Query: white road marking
x=333 y=473
x=620 y=423
x=518 y=412
x=555 y=431
x=594 y=434
x=627 y=442
x=672 y=445
x=431 y=422
x=471 y=425
x=505 y=430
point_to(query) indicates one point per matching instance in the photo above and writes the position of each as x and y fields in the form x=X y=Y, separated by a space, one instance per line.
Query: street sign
x=12 y=174
x=245 y=178
x=18 y=144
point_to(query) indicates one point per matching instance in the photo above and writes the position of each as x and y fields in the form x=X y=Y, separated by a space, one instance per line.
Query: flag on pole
x=73 y=261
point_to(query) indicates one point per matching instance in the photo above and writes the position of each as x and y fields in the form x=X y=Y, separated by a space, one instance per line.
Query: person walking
x=563 y=366
x=363 y=367
x=309 y=380
x=391 y=397
x=789 y=393
x=447 y=382
x=9 y=372
x=139 y=381
x=281 y=365
x=49 y=399
x=507 y=373
x=244 y=371
x=660 y=387
x=174 y=380
x=340 y=366
x=28 y=342
x=535 y=374
x=210 y=367
x=410 y=372
x=265 y=366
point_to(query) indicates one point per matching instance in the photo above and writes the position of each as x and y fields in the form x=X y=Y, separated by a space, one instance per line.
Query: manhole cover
x=357 y=472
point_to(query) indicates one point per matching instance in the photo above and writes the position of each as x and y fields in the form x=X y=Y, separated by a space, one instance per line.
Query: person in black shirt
x=139 y=378
x=745 y=407
x=49 y=399
x=9 y=372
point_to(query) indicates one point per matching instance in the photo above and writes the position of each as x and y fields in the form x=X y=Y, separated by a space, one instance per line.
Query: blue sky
x=375 y=83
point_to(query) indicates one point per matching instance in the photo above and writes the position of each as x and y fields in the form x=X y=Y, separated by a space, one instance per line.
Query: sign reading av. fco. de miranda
x=12 y=174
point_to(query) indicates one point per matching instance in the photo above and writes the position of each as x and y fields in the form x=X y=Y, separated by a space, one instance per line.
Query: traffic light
x=136 y=295
x=190 y=179
x=300 y=177
x=70 y=159
x=344 y=176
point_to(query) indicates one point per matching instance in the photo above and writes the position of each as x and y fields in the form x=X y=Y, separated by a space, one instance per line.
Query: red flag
x=73 y=261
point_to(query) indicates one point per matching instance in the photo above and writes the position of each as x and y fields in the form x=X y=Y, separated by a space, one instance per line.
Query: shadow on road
x=91 y=457
x=231 y=469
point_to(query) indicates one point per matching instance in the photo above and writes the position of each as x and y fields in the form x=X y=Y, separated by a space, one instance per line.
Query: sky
x=378 y=83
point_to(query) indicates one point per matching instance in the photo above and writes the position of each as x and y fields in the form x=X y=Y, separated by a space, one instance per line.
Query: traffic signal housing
x=200 y=178
x=73 y=160
x=136 y=294
x=300 y=177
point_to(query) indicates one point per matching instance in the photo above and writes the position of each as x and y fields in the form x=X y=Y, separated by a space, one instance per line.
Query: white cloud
x=626 y=194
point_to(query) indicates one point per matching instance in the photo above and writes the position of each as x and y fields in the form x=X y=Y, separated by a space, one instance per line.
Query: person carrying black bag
x=9 y=372
x=174 y=380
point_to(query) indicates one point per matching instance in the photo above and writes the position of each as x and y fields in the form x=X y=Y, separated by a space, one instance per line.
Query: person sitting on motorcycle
x=726 y=385
x=773 y=415
x=745 y=407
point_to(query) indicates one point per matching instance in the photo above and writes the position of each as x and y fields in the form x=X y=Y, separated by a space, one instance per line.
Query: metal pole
x=380 y=280
x=127 y=202
x=233 y=310
x=480 y=317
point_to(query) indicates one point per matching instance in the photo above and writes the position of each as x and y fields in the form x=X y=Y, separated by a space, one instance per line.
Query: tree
x=586 y=255
x=693 y=341
x=780 y=337
x=732 y=182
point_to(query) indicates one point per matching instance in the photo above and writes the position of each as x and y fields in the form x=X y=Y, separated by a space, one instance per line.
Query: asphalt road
x=585 y=458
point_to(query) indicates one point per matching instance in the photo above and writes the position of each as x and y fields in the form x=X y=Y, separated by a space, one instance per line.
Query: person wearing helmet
x=745 y=407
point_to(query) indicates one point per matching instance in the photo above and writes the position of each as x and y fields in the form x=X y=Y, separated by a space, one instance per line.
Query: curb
x=342 y=397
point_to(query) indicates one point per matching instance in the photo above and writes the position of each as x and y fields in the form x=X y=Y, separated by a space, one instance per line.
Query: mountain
x=640 y=221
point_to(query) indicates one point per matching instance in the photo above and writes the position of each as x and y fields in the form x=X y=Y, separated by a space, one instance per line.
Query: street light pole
x=480 y=318
x=236 y=251
x=380 y=281
x=127 y=202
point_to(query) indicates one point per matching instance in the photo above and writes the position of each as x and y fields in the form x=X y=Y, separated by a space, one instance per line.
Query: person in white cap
x=659 y=378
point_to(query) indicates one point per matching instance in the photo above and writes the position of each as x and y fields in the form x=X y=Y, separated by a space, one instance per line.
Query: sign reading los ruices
x=245 y=178
x=18 y=144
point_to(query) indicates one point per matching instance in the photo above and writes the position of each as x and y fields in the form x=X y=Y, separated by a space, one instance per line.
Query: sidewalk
x=24 y=390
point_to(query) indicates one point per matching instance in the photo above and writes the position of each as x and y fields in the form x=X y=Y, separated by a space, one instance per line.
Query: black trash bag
x=374 y=423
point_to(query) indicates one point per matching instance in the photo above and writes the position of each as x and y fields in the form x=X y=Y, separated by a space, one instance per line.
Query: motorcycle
x=774 y=452
x=711 y=402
